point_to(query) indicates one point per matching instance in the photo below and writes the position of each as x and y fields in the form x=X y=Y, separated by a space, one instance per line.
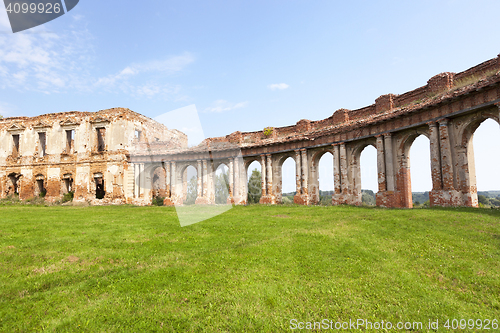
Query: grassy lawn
x=255 y=268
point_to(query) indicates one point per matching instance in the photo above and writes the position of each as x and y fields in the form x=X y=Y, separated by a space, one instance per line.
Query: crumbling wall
x=76 y=147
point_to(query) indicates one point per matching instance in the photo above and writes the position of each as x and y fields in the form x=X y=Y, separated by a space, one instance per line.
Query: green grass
x=126 y=268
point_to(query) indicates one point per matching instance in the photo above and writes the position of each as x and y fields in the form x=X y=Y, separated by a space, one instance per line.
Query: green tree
x=192 y=191
x=221 y=188
x=368 y=197
x=254 y=187
x=483 y=200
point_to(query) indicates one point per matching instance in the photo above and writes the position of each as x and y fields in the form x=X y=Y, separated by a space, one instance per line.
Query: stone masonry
x=447 y=110
x=81 y=152
x=125 y=157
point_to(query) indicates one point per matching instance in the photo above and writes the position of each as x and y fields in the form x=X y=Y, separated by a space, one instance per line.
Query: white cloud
x=221 y=105
x=167 y=66
x=45 y=61
x=278 y=86
x=128 y=80
x=37 y=60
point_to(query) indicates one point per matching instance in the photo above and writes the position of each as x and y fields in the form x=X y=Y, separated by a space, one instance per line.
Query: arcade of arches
x=447 y=111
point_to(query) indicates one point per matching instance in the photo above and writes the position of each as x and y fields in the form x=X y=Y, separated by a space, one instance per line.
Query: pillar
x=236 y=180
x=269 y=171
x=168 y=190
x=263 y=174
x=142 y=180
x=231 y=178
x=381 y=164
x=199 y=177
x=205 y=179
x=389 y=164
x=305 y=171
x=173 y=180
x=298 y=189
x=336 y=169
x=446 y=162
x=437 y=183
x=137 y=180
x=344 y=182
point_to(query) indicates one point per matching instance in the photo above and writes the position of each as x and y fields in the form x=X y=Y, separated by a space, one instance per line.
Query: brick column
x=437 y=182
x=236 y=194
x=167 y=180
x=231 y=178
x=199 y=176
x=389 y=166
x=336 y=169
x=305 y=171
x=446 y=162
x=344 y=181
x=137 y=180
x=263 y=174
x=298 y=186
x=205 y=179
x=381 y=164
x=173 y=179
x=142 y=176
x=269 y=171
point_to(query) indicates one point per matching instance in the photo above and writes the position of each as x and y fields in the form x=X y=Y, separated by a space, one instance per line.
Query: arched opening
x=420 y=171
x=254 y=176
x=100 y=191
x=67 y=183
x=325 y=178
x=486 y=160
x=368 y=175
x=221 y=184
x=13 y=186
x=288 y=184
x=40 y=186
x=158 y=182
x=190 y=185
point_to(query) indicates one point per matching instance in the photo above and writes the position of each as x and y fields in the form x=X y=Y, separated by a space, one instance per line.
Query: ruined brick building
x=81 y=152
x=123 y=157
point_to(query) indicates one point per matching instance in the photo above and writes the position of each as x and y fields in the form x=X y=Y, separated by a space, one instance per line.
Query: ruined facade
x=85 y=153
x=447 y=110
x=118 y=156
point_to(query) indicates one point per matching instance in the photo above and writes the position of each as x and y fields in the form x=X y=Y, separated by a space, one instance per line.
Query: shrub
x=68 y=196
x=268 y=131
x=157 y=201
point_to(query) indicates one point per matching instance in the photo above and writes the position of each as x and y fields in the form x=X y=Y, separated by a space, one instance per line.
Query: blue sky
x=245 y=65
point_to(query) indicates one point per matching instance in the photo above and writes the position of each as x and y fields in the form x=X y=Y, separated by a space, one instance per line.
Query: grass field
x=255 y=268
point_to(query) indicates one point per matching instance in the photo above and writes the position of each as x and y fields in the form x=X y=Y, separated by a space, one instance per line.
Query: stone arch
x=405 y=142
x=217 y=163
x=67 y=183
x=221 y=188
x=13 y=183
x=465 y=153
x=182 y=178
x=278 y=162
x=158 y=176
x=354 y=168
x=100 y=186
x=314 y=184
x=254 y=189
x=467 y=128
x=40 y=185
x=407 y=139
x=250 y=160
